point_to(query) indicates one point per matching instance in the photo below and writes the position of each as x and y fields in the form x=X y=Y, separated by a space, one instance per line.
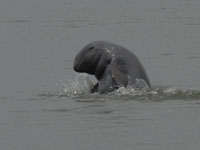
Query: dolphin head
x=87 y=59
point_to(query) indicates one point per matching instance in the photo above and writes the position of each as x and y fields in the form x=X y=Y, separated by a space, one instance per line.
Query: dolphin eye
x=91 y=48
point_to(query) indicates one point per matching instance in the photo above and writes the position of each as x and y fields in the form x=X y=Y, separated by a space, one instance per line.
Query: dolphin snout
x=76 y=66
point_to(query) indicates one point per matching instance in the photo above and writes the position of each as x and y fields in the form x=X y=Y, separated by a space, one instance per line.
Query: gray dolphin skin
x=113 y=66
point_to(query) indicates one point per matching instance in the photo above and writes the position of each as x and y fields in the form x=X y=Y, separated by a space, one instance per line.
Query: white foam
x=170 y=90
x=79 y=84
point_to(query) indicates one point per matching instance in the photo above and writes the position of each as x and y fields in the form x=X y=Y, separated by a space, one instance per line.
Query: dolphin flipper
x=106 y=83
x=119 y=72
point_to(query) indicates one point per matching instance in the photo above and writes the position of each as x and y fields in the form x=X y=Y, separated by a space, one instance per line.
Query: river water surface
x=45 y=105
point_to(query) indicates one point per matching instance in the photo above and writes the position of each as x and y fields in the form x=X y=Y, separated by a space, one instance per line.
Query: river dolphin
x=113 y=66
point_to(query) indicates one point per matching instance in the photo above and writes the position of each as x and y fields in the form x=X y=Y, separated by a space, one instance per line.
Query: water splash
x=79 y=87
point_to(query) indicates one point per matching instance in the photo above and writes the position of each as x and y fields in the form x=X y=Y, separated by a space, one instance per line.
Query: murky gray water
x=39 y=105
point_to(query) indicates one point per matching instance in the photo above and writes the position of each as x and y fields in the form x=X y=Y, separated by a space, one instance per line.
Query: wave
x=79 y=88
